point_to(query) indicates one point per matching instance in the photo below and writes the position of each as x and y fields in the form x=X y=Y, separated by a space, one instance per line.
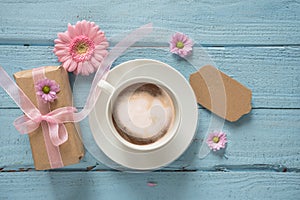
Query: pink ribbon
x=34 y=117
x=55 y=119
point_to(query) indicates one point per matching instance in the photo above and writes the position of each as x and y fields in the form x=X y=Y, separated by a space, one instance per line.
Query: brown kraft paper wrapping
x=72 y=150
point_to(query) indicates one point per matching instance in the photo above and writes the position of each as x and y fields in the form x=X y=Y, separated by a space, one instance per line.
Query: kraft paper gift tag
x=209 y=83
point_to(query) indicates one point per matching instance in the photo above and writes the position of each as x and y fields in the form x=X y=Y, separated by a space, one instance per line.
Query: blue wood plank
x=267 y=138
x=209 y=22
x=261 y=40
x=183 y=185
x=272 y=73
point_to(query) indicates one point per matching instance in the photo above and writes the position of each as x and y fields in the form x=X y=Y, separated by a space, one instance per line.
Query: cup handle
x=106 y=87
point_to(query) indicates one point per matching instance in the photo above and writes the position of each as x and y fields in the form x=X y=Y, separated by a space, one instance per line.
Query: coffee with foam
x=143 y=113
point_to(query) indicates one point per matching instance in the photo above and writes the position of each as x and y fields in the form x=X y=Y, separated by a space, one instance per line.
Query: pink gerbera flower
x=47 y=89
x=81 y=48
x=216 y=140
x=180 y=44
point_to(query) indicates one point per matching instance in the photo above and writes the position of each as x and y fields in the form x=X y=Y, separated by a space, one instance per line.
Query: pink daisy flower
x=81 y=48
x=47 y=89
x=216 y=140
x=180 y=44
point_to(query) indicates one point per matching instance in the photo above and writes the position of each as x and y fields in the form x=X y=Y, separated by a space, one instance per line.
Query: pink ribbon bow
x=55 y=119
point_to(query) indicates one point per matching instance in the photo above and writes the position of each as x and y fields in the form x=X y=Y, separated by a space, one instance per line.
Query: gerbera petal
x=39 y=93
x=92 y=24
x=52 y=93
x=78 y=28
x=93 y=32
x=87 y=65
x=61 y=45
x=62 y=52
x=101 y=46
x=64 y=37
x=57 y=41
x=181 y=37
x=71 y=31
x=189 y=42
x=89 y=26
x=178 y=37
x=106 y=44
x=64 y=58
x=174 y=50
x=85 y=27
x=182 y=52
x=66 y=65
x=55 y=89
x=84 y=72
x=99 y=39
x=38 y=87
x=184 y=39
x=172 y=45
x=98 y=55
x=79 y=68
x=95 y=63
x=86 y=69
x=101 y=51
x=73 y=66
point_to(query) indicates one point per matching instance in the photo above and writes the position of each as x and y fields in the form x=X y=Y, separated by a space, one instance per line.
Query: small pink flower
x=47 y=89
x=216 y=140
x=81 y=48
x=180 y=44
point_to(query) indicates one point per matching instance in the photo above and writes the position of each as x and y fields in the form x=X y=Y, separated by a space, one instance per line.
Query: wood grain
x=272 y=73
x=267 y=137
x=182 y=185
x=234 y=22
x=254 y=42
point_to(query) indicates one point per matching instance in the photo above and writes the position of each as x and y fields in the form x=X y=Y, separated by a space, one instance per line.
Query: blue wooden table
x=254 y=42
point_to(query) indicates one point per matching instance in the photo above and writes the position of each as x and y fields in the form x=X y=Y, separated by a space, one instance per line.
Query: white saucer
x=149 y=160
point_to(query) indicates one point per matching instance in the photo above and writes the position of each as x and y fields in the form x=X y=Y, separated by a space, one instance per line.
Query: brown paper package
x=72 y=150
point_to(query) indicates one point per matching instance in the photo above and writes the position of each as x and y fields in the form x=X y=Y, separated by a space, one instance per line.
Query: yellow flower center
x=82 y=48
x=179 y=45
x=46 y=89
x=216 y=139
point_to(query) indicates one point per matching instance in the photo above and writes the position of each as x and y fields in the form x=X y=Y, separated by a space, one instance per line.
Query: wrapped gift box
x=72 y=150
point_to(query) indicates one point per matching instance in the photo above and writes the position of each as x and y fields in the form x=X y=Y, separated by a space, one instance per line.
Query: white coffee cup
x=115 y=91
